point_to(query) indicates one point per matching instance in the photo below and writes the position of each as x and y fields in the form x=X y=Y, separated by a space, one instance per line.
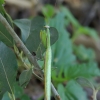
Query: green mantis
x=45 y=37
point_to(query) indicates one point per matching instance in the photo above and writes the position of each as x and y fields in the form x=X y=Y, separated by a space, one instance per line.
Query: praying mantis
x=45 y=37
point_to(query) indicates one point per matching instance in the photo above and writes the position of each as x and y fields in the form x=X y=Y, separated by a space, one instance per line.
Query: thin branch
x=55 y=93
x=31 y=58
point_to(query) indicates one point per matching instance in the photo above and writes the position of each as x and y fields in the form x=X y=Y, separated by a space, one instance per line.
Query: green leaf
x=63 y=57
x=61 y=91
x=69 y=91
x=34 y=43
x=25 y=77
x=87 y=70
x=5 y=36
x=53 y=35
x=6 y=96
x=18 y=91
x=1 y=2
x=24 y=25
x=25 y=97
x=8 y=69
x=48 y=11
x=30 y=30
x=62 y=49
x=27 y=26
x=84 y=54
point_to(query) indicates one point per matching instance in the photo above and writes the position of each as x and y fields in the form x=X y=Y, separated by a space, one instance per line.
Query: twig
x=55 y=93
x=20 y=45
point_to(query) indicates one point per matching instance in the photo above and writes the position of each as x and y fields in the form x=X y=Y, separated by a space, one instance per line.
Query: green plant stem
x=47 y=67
x=95 y=94
x=20 y=45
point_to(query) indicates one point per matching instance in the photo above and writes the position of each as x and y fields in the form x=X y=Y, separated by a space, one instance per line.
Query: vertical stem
x=95 y=94
x=47 y=67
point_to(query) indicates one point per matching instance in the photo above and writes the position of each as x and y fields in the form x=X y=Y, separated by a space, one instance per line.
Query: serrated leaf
x=63 y=56
x=87 y=70
x=62 y=49
x=8 y=69
x=5 y=36
x=25 y=77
